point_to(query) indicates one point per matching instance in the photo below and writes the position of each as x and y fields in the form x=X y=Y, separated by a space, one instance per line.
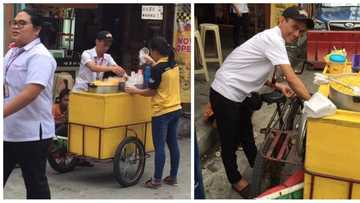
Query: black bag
x=254 y=102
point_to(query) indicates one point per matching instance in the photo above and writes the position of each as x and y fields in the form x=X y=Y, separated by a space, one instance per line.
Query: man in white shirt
x=94 y=62
x=28 y=122
x=241 y=22
x=245 y=71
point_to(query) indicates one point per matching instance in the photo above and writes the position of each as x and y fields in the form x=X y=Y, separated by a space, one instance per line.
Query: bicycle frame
x=279 y=134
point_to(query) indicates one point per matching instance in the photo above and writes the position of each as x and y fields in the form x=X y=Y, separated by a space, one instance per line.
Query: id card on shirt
x=6 y=91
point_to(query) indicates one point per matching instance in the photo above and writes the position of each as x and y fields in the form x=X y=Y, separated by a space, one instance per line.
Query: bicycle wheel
x=59 y=159
x=265 y=172
x=129 y=161
x=293 y=115
x=296 y=121
x=257 y=182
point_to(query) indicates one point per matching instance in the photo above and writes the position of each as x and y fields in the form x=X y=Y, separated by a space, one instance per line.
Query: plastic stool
x=203 y=69
x=215 y=28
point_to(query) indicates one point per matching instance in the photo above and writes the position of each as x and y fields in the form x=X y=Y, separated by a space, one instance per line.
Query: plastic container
x=139 y=79
x=147 y=75
x=336 y=61
x=356 y=63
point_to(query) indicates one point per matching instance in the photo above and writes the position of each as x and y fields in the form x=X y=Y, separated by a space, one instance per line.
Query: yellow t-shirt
x=166 y=80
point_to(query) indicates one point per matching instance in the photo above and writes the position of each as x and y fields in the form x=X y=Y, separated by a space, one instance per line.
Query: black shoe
x=245 y=192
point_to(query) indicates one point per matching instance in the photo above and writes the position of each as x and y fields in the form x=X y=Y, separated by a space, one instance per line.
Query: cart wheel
x=59 y=158
x=129 y=161
x=257 y=182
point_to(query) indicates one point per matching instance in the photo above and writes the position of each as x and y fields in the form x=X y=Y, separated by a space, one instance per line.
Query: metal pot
x=344 y=101
x=106 y=89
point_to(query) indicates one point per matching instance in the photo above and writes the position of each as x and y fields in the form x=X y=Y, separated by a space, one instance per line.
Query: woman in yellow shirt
x=164 y=88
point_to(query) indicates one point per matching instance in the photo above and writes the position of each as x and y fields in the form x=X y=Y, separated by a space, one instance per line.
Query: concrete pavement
x=98 y=182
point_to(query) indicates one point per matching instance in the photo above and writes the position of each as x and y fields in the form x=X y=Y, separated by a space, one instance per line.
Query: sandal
x=151 y=184
x=170 y=180
x=245 y=192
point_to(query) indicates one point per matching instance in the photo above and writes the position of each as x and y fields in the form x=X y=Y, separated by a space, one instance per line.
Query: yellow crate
x=102 y=143
x=108 y=110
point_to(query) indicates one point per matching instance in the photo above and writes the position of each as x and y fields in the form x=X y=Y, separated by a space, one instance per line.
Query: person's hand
x=285 y=89
x=149 y=60
x=131 y=89
x=118 y=70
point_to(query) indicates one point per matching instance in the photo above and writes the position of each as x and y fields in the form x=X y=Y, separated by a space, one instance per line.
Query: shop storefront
x=71 y=29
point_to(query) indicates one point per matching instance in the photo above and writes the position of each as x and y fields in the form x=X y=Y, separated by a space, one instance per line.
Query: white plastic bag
x=319 y=106
x=142 y=53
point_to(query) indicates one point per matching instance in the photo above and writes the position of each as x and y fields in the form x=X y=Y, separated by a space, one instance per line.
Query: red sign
x=183 y=44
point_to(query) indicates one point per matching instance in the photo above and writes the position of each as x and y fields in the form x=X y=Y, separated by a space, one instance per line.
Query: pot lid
x=337 y=58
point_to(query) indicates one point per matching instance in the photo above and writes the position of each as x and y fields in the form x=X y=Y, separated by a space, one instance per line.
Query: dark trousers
x=241 y=28
x=61 y=129
x=233 y=120
x=32 y=157
x=199 y=185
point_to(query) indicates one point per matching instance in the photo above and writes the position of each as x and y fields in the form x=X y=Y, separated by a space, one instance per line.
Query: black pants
x=233 y=120
x=61 y=129
x=241 y=28
x=32 y=157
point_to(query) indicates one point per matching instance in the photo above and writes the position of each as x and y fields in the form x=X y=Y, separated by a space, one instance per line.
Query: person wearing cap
x=29 y=71
x=94 y=62
x=244 y=71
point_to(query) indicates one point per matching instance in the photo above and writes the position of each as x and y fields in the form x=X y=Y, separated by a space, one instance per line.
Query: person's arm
x=154 y=84
x=40 y=71
x=237 y=10
x=149 y=60
x=90 y=63
x=285 y=89
x=144 y=92
x=294 y=82
x=103 y=68
x=269 y=84
x=277 y=54
x=25 y=97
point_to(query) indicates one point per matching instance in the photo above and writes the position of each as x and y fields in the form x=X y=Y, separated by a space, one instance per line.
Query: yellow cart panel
x=108 y=110
x=332 y=160
x=102 y=143
x=98 y=122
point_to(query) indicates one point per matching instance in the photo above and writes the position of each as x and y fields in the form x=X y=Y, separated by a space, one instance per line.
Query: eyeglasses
x=20 y=23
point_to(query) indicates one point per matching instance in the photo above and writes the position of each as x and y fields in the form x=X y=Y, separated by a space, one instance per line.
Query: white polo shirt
x=248 y=67
x=34 y=66
x=85 y=75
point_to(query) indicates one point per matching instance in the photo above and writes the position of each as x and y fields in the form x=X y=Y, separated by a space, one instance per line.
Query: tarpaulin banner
x=182 y=44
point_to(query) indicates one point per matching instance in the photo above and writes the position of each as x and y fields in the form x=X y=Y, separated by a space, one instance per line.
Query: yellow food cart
x=332 y=160
x=111 y=126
